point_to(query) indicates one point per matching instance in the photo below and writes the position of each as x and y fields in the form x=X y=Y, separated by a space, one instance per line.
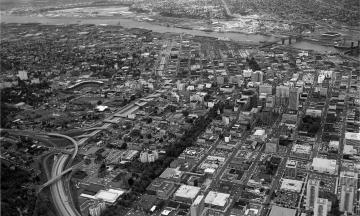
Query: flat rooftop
x=352 y=136
x=281 y=211
x=217 y=199
x=110 y=195
x=291 y=185
x=187 y=191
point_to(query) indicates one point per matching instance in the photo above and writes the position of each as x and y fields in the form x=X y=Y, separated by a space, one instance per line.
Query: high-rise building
x=270 y=101
x=312 y=193
x=97 y=208
x=347 y=199
x=348 y=178
x=262 y=100
x=94 y=210
x=198 y=206
x=291 y=168
x=265 y=88
x=282 y=91
x=321 y=207
x=148 y=156
x=282 y=95
x=294 y=99
x=257 y=76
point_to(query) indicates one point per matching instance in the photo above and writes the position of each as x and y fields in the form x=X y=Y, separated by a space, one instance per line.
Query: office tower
x=282 y=95
x=348 y=178
x=293 y=99
x=291 y=168
x=265 y=88
x=257 y=76
x=347 y=199
x=198 y=206
x=321 y=207
x=97 y=208
x=282 y=91
x=312 y=193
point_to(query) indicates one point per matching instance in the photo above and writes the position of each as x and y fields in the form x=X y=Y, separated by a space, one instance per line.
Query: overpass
x=57 y=187
x=53 y=179
x=34 y=135
x=61 y=200
x=56 y=182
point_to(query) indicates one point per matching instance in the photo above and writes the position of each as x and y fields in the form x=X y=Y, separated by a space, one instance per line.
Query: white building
x=259 y=135
x=334 y=144
x=257 y=76
x=352 y=138
x=186 y=193
x=313 y=112
x=23 y=75
x=109 y=196
x=148 y=156
x=247 y=73
x=324 y=165
x=217 y=200
x=227 y=88
x=291 y=185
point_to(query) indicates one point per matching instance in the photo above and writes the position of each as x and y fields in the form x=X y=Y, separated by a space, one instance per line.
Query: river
x=131 y=23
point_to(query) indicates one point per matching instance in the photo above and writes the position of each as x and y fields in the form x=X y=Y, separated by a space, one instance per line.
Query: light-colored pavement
x=60 y=199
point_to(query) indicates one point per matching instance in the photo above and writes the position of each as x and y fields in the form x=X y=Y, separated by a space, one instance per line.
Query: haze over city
x=190 y=107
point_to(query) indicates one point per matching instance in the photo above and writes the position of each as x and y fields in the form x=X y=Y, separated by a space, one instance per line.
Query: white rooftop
x=291 y=185
x=334 y=143
x=291 y=163
x=302 y=149
x=101 y=108
x=110 y=195
x=323 y=162
x=216 y=198
x=352 y=136
x=259 y=132
x=171 y=173
x=349 y=149
x=187 y=191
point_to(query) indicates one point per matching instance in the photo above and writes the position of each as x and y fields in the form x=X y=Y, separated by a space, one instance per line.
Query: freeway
x=57 y=189
x=76 y=146
x=29 y=134
x=61 y=165
x=42 y=137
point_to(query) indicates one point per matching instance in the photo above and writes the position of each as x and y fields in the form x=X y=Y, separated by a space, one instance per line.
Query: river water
x=130 y=22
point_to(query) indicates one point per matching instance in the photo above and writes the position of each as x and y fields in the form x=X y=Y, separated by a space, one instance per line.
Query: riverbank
x=131 y=23
x=254 y=39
